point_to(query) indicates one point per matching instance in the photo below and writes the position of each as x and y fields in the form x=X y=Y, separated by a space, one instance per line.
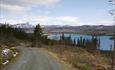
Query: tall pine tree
x=37 y=36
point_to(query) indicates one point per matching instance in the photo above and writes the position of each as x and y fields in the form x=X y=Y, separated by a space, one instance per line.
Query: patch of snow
x=5 y=62
x=5 y=52
x=15 y=54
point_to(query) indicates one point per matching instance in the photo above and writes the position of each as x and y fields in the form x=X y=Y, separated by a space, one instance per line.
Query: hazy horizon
x=52 y=24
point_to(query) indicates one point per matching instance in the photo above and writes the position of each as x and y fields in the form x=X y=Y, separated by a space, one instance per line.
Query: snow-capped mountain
x=23 y=25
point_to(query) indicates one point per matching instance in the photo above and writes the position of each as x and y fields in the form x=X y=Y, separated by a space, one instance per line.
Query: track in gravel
x=34 y=59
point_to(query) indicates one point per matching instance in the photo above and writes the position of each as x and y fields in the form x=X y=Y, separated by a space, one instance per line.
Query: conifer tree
x=37 y=36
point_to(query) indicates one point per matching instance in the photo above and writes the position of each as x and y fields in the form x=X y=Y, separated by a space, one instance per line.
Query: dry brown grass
x=80 y=58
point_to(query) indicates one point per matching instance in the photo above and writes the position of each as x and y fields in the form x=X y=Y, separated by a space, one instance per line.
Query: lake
x=105 y=41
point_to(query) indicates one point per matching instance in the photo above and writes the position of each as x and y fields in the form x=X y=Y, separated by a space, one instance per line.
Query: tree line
x=92 y=44
x=8 y=32
x=38 y=38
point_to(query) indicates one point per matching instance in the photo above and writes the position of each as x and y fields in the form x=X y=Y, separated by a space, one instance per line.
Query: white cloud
x=12 y=8
x=30 y=2
x=105 y=22
x=59 y=20
x=70 y=19
x=44 y=20
x=48 y=20
x=22 y=5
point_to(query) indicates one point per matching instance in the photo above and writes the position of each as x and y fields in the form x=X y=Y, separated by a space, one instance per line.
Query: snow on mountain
x=23 y=25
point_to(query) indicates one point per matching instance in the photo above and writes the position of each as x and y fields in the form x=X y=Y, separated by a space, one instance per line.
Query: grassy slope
x=80 y=58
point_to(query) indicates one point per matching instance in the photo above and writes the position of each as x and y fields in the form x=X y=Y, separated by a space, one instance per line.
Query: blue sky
x=56 y=12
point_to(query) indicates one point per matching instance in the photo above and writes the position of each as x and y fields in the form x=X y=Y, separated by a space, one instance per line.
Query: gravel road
x=34 y=59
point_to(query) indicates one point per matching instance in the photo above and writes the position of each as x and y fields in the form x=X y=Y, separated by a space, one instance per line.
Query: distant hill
x=85 y=29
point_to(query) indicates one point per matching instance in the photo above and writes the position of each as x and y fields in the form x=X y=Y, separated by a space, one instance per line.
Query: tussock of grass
x=82 y=66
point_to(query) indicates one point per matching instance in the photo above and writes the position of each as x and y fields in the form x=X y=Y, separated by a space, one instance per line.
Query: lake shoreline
x=105 y=44
x=91 y=34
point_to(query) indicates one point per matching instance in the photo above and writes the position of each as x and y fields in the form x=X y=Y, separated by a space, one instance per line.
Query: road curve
x=34 y=59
